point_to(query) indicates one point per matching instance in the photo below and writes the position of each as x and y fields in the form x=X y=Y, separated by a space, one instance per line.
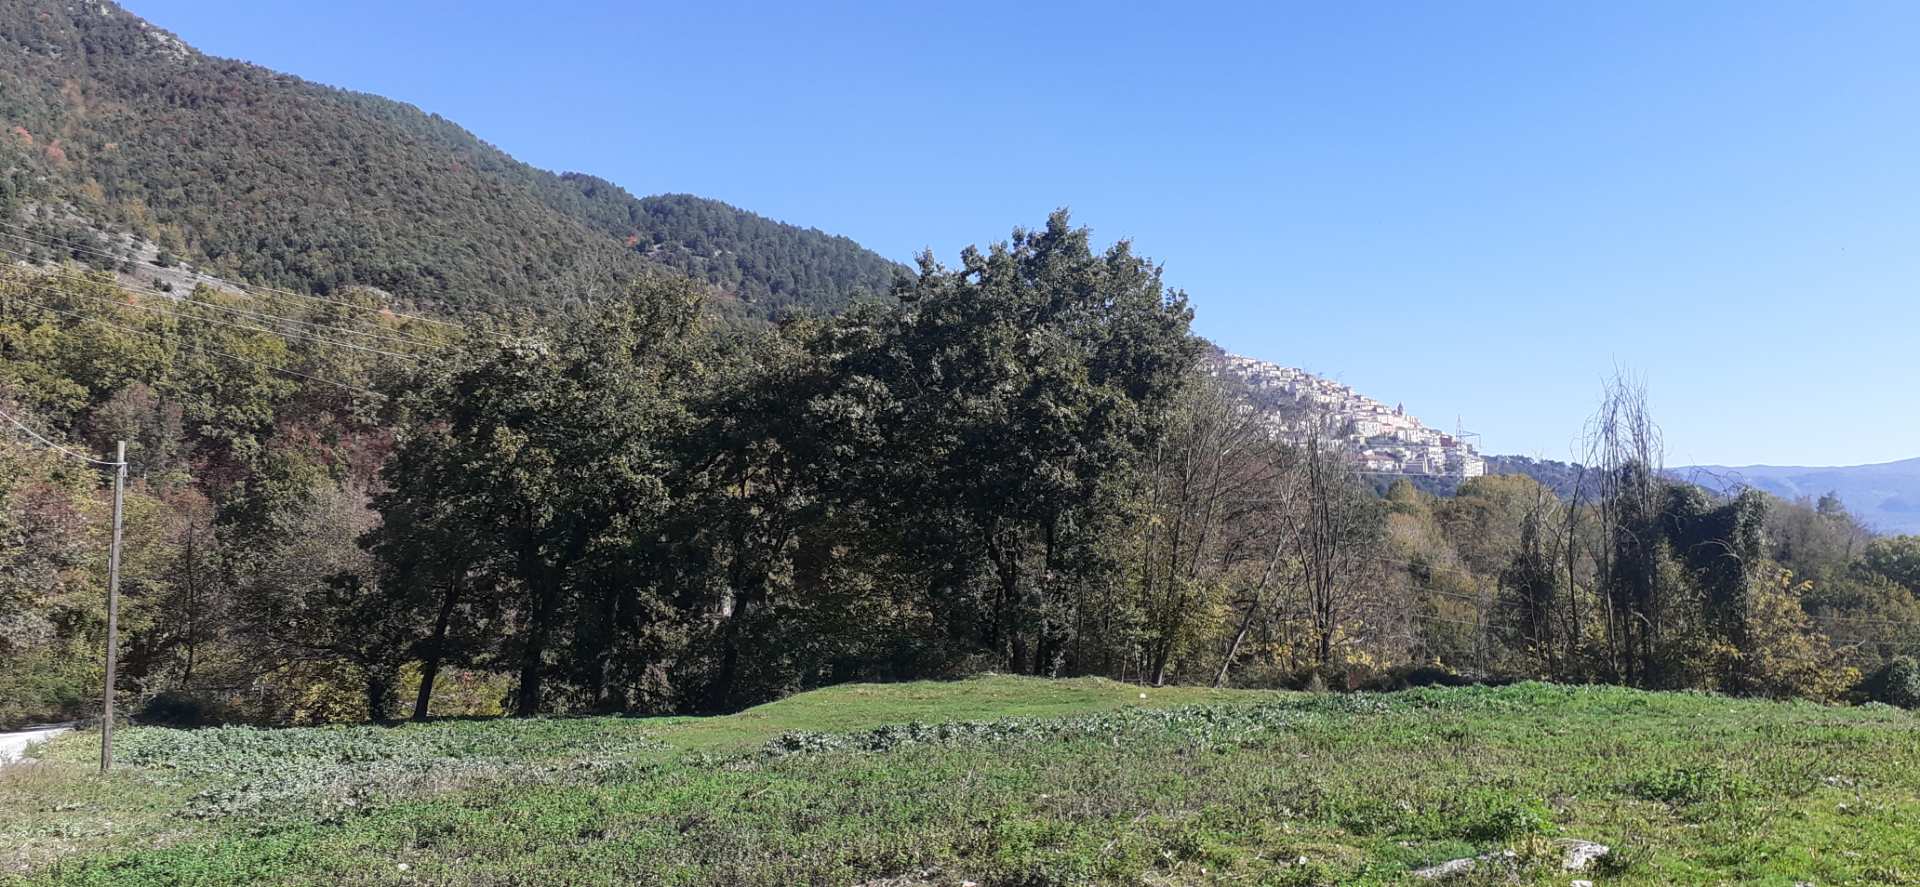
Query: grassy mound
x=1005 y=781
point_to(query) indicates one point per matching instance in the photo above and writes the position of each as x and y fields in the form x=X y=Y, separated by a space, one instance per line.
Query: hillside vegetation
x=341 y=514
x=1004 y=781
x=113 y=124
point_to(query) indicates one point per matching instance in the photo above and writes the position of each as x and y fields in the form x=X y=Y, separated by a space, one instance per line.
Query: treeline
x=1018 y=464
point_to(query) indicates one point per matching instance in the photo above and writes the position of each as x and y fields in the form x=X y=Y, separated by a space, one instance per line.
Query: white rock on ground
x=1453 y=867
x=1576 y=855
x=1446 y=869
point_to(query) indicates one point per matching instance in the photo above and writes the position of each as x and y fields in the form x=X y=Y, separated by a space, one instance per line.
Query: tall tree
x=548 y=458
x=1020 y=390
x=1333 y=535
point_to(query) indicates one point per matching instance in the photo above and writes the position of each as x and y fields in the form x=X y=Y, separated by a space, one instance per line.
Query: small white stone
x=404 y=867
x=1576 y=855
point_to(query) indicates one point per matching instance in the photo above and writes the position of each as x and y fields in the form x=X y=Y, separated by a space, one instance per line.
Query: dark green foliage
x=177 y=708
x=1897 y=559
x=527 y=479
x=1018 y=389
x=773 y=268
x=1896 y=683
x=271 y=179
x=878 y=495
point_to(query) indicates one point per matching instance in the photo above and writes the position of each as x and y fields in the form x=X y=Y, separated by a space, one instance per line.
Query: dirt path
x=14 y=745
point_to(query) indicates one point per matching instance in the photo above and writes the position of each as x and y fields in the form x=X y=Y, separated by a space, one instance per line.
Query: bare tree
x=1319 y=532
x=1334 y=534
x=1532 y=577
x=1202 y=479
x=1276 y=571
x=1624 y=453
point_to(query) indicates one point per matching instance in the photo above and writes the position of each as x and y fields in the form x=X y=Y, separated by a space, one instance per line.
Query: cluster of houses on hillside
x=1381 y=438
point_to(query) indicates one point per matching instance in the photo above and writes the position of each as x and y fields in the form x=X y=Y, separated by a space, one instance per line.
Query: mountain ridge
x=1884 y=495
x=266 y=177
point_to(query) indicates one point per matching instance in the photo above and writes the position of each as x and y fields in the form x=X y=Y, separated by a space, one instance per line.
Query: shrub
x=1406 y=677
x=1681 y=786
x=1488 y=816
x=48 y=686
x=1896 y=683
x=181 y=708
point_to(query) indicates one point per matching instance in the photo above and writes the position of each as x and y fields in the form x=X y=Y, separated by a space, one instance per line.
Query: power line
x=184 y=316
x=166 y=311
x=10 y=228
x=50 y=444
x=260 y=315
x=1865 y=621
x=230 y=356
x=1415 y=474
x=400 y=338
x=244 y=286
x=1855 y=620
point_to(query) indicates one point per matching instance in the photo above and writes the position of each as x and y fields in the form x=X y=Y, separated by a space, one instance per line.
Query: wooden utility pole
x=113 y=608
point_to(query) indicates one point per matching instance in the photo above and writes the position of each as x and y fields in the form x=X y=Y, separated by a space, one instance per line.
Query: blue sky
x=1478 y=209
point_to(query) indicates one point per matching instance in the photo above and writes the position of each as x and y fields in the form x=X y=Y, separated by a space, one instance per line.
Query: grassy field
x=1002 y=781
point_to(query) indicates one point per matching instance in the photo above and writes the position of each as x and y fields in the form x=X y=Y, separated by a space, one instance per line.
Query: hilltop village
x=1382 y=438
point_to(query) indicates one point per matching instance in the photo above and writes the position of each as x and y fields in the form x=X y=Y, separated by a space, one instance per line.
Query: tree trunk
x=1233 y=647
x=1007 y=639
x=379 y=688
x=436 y=651
x=533 y=655
x=721 y=695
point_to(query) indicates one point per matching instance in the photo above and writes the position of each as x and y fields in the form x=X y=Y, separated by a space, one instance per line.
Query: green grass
x=1006 y=781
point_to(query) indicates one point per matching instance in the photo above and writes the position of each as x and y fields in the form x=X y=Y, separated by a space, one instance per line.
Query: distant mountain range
x=1885 y=496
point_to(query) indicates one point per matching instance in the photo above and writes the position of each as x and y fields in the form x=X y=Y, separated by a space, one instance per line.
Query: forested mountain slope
x=113 y=124
x=768 y=265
